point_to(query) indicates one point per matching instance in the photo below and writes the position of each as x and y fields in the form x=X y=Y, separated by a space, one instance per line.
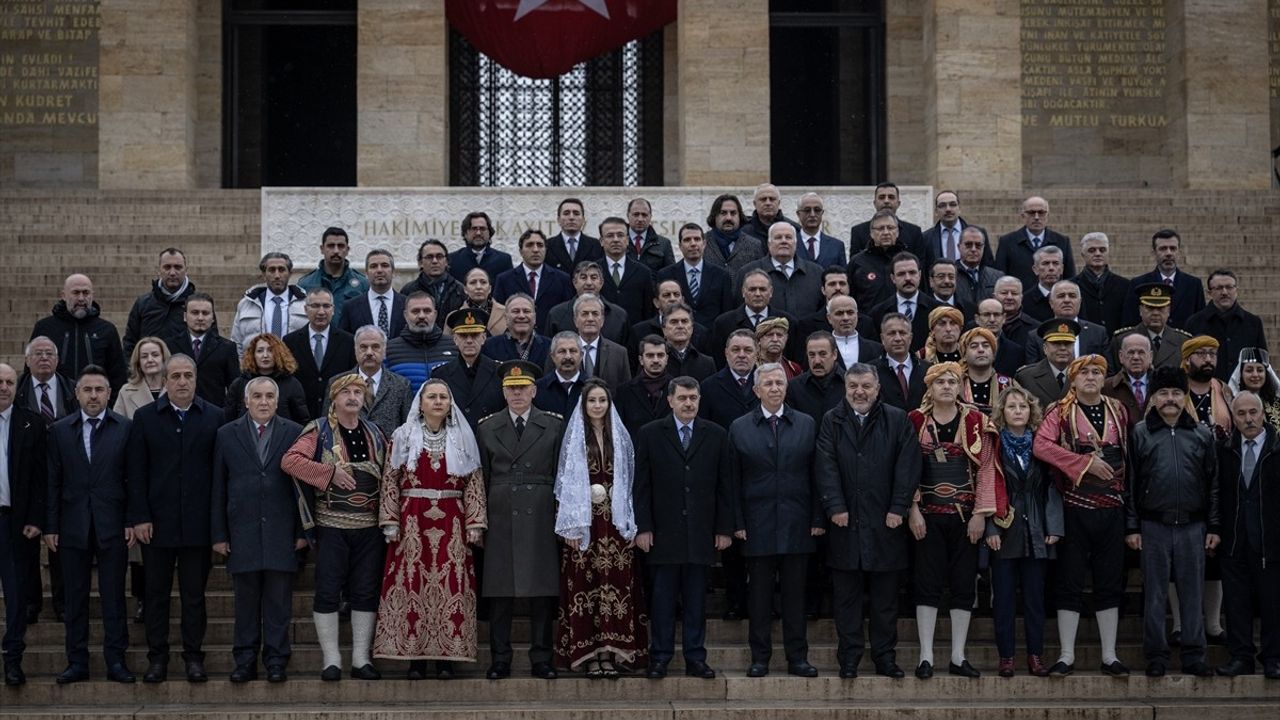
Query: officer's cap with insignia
x=467 y=320
x=1059 y=330
x=518 y=373
x=1154 y=294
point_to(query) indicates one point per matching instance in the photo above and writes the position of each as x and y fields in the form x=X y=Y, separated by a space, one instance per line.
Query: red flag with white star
x=546 y=38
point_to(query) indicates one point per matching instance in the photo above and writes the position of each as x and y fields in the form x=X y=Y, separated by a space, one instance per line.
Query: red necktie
x=902 y=381
x=639 y=244
x=262 y=429
x=813 y=249
x=533 y=284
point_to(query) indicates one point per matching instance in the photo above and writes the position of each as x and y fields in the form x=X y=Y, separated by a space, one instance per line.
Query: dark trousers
x=848 y=587
x=1006 y=575
x=689 y=584
x=790 y=572
x=1093 y=546
x=193 y=565
x=945 y=558
x=77 y=566
x=817 y=581
x=348 y=565
x=542 y=618
x=35 y=585
x=735 y=579
x=13 y=571
x=264 y=609
x=1173 y=552
x=1248 y=588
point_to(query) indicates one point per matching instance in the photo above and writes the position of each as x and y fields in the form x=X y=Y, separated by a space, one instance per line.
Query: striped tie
x=46 y=405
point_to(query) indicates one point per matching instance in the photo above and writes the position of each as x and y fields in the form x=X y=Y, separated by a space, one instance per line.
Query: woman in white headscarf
x=1254 y=373
x=432 y=509
x=602 y=623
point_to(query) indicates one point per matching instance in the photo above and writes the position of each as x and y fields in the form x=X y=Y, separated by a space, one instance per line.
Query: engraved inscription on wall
x=49 y=92
x=1093 y=92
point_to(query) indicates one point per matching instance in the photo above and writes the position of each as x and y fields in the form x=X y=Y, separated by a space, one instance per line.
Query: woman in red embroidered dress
x=433 y=507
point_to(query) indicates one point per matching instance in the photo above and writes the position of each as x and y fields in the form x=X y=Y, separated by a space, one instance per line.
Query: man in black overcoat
x=22 y=515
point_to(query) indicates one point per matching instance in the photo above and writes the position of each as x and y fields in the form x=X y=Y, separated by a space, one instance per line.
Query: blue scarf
x=725 y=242
x=1017 y=447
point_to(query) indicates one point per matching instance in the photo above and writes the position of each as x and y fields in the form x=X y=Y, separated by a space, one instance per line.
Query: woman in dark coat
x=1020 y=552
x=265 y=354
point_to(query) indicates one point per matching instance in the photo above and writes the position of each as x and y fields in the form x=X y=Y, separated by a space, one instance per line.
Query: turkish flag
x=546 y=38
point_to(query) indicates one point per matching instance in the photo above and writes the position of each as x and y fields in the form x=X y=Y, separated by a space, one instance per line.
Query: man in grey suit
x=255 y=514
x=392 y=395
x=601 y=357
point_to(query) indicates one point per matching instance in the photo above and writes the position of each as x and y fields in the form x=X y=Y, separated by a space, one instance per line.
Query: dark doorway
x=826 y=80
x=289 y=109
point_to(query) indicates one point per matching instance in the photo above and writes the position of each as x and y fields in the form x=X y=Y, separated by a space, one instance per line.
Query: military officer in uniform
x=1154 y=301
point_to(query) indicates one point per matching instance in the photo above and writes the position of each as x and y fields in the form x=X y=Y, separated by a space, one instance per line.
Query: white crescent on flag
x=528 y=6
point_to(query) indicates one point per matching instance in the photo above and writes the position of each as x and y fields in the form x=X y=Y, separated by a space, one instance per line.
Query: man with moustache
x=907 y=299
x=273 y=305
x=945 y=325
x=1154 y=301
x=706 y=287
x=812 y=243
x=645 y=245
x=83 y=337
x=477 y=251
x=23 y=477
x=900 y=373
x=334 y=272
x=728 y=247
x=797 y=283
x=818 y=389
x=642 y=399
x=1231 y=325
x=217 y=363
x=1205 y=392
x=1102 y=291
x=1173 y=518
x=390 y=396
x=1131 y=385
x=422 y=346
x=942 y=286
x=558 y=389
x=982 y=383
x=668 y=292
x=380 y=305
x=472 y=378
x=521 y=341
x=886 y=199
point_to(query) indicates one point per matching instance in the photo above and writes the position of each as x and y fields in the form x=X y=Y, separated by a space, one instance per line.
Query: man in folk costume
x=943 y=345
x=1084 y=440
x=981 y=383
x=961 y=485
x=341 y=456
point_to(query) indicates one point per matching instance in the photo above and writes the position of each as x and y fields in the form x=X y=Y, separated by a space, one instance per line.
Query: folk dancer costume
x=960 y=477
x=1068 y=440
x=981 y=395
x=1213 y=409
x=790 y=367
x=349 y=545
x=432 y=494
x=1269 y=393
x=602 y=603
x=930 y=351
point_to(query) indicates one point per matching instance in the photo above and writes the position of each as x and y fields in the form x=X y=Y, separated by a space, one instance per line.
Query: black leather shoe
x=964 y=669
x=73 y=673
x=1237 y=666
x=1272 y=670
x=733 y=614
x=444 y=670
x=498 y=670
x=1061 y=669
x=848 y=672
x=1220 y=639
x=120 y=673
x=924 y=670
x=891 y=670
x=156 y=673
x=13 y=675
x=276 y=674
x=243 y=674
x=699 y=670
x=758 y=669
x=1155 y=670
x=656 y=671
x=1115 y=668
x=802 y=669
x=366 y=672
x=333 y=673
x=417 y=670
x=195 y=672
x=1199 y=669
x=543 y=670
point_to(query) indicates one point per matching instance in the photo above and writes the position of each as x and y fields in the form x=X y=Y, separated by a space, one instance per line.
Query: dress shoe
x=891 y=670
x=195 y=672
x=417 y=670
x=924 y=670
x=1036 y=667
x=276 y=674
x=444 y=670
x=33 y=616
x=733 y=614
x=544 y=670
x=1115 y=668
x=656 y=670
x=964 y=669
x=1272 y=670
x=13 y=675
x=120 y=673
x=1199 y=669
x=1005 y=668
x=848 y=672
x=1237 y=666
x=699 y=670
x=1220 y=639
x=73 y=673
x=333 y=673
x=366 y=672
x=156 y=673
x=802 y=669
x=498 y=670
x=1061 y=669
x=244 y=674
x=758 y=669
x=1155 y=670
x=1175 y=638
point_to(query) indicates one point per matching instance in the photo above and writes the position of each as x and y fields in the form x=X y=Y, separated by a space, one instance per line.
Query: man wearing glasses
x=1014 y=254
x=975 y=278
x=815 y=245
x=1224 y=320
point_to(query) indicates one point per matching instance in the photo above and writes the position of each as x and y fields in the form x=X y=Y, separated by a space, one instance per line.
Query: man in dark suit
x=843 y=319
x=812 y=244
x=520 y=341
x=1010 y=355
x=668 y=293
x=472 y=378
x=1224 y=320
x=391 y=395
x=1047 y=379
x=86 y=504
x=684 y=514
x=1131 y=384
x=170 y=467
x=1102 y=291
x=625 y=282
x=797 y=283
x=835 y=281
x=909 y=234
x=570 y=246
x=946 y=238
x=684 y=357
x=478 y=252
x=1013 y=256
x=255 y=525
x=900 y=372
x=22 y=515
x=713 y=283
x=217 y=362
x=642 y=399
x=381 y=306
x=907 y=299
x=588 y=279
x=559 y=387
x=942 y=288
x=1047 y=268
x=757 y=294
x=321 y=349
x=975 y=278
x=1064 y=302
x=1188 y=291
x=644 y=244
x=1017 y=326
x=818 y=389
x=766 y=203
x=546 y=285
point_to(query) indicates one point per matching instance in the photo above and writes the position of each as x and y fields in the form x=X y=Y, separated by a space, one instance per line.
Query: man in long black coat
x=217 y=362
x=867 y=468
x=820 y=388
x=643 y=398
x=472 y=378
x=22 y=514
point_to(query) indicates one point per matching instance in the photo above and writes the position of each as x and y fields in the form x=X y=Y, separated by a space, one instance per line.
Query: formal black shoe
x=924 y=670
x=1155 y=670
x=1220 y=639
x=656 y=671
x=138 y=615
x=333 y=673
x=276 y=674
x=120 y=673
x=1115 y=668
x=699 y=670
x=1175 y=638
x=156 y=673
x=1236 y=667
x=73 y=673
x=417 y=670
x=964 y=669
x=444 y=670
x=498 y=670
x=543 y=670
x=243 y=674
x=1199 y=669
x=13 y=675
x=848 y=672
x=195 y=672
x=733 y=614
x=366 y=672
x=891 y=671
x=1272 y=671
x=802 y=669
x=33 y=616
x=758 y=669
x=1061 y=669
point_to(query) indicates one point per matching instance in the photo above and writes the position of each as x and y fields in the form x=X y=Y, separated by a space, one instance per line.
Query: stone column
x=972 y=94
x=147 y=95
x=402 y=70
x=1219 y=94
x=904 y=89
x=722 y=135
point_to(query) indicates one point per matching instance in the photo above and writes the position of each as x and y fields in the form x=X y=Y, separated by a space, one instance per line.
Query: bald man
x=83 y=337
x=767 y=203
